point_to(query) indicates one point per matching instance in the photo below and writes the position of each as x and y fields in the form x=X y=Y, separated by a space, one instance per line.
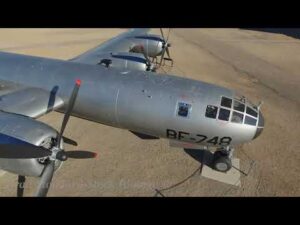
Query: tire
x=221 y=162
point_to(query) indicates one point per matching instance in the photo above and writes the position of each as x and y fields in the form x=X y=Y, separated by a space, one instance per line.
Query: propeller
x=165 y=47
x=14 y=148
x=23 y=151
x=68 y=112
x=78 y=154
x=29 y=151
x=69 y=141
x=61 y=154
x=140 y=49
x=46 y=179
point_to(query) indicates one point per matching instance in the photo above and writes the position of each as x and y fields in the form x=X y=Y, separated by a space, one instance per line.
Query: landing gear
x=20 y=188
x=222 y=159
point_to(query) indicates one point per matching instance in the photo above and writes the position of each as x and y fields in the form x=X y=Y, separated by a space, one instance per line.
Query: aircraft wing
x=120 y=43
x=27 y=101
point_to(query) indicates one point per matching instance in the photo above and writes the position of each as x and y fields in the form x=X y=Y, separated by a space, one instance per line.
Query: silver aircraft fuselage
x=134 y=100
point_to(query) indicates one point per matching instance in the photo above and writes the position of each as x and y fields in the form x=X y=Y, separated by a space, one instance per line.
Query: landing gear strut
x=20 y=188
x=222 y=159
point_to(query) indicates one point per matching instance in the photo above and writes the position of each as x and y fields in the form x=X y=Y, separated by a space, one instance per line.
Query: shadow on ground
x=292 y=32
x=202 y=156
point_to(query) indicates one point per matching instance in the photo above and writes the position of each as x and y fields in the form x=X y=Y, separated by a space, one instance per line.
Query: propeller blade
x=162 y=56
x=168 y=53
x=79 y=154
x=70 y=141
x=168 y=35
x=25 y=151
x=46 y=179
x=68 y=111
x=162 y=33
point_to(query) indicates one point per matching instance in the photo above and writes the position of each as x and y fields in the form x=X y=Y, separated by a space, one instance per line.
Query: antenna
x=259 y=105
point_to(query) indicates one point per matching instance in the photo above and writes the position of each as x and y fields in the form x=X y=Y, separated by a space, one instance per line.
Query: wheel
x=221 y=162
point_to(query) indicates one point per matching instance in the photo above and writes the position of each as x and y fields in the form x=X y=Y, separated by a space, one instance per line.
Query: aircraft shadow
x=52 y=99
x=292 y=32
x=202 y=156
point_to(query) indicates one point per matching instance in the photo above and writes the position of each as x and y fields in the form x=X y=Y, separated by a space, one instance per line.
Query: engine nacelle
x=128 y=60
x=152 y=45
x=31 y=131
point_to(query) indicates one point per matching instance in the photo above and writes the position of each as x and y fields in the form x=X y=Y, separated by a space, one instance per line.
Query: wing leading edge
x=120 y=43
x=28 y=101
x=35 y=102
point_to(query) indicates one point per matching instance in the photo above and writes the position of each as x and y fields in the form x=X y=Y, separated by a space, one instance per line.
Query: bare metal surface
x=128 y=166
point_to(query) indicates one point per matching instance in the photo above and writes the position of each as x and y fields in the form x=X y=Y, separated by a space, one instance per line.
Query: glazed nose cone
x=261 y=124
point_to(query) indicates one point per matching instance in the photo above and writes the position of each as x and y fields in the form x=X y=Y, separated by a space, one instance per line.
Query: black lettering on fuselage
x=202 y=138
x=225 y=140
x=171 y=134
x=180 y=136
x=214 y=140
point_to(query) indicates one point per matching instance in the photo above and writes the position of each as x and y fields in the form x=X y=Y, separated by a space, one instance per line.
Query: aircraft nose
x=260 y=126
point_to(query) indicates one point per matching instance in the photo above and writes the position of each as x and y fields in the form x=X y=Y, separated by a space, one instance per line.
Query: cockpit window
x=226 y=102
x=183 y=109
x=251 y=112
x=250 y=121
x=211 y=111
x=239 y=106
x=237 y=117
x=224 y=114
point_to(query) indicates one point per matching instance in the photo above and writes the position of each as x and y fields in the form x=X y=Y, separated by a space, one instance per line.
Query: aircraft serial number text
x=200 y=138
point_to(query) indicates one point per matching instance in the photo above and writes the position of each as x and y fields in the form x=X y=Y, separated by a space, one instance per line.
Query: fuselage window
x=226 y=102
x=250 y=121
x=237 y=117
x=224 y=114
x=251 y=112
x=239 y=106
x=183 y=109
x=211 y=111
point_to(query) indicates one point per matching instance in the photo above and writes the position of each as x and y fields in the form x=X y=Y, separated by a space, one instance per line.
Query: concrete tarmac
x=261 y=66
